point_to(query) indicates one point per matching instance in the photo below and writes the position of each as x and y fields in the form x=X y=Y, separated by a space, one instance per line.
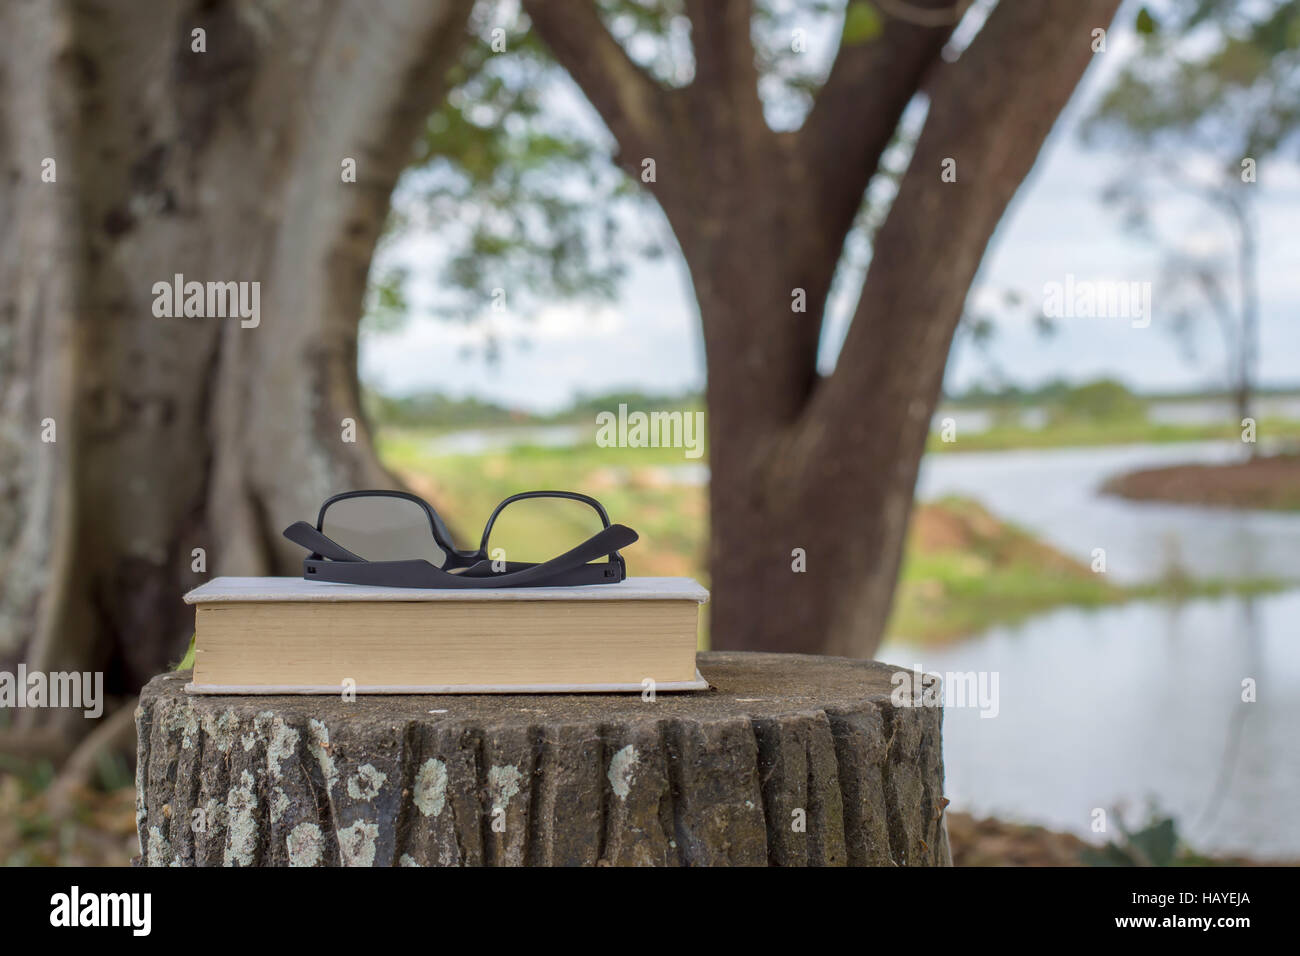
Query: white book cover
x=229 y=589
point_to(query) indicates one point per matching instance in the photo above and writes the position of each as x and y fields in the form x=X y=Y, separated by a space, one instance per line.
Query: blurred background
x=1106 y=510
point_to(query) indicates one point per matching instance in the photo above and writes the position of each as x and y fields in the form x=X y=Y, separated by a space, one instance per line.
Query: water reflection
x=1132 y=704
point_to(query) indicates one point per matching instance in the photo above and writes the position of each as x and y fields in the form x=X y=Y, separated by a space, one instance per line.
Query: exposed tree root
x=36 y=743
x=115 y=732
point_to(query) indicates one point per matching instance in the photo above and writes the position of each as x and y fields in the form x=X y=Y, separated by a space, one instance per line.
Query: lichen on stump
x=791 y=760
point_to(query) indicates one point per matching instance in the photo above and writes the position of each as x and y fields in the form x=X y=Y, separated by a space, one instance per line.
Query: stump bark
x=791 y=760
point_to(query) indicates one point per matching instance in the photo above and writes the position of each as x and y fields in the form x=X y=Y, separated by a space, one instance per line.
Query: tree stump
x=790 y=760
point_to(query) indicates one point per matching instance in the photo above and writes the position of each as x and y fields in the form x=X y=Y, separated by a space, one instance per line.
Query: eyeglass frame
x=329 y=561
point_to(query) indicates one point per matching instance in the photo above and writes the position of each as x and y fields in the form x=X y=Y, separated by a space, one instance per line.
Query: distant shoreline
x=1266 y=482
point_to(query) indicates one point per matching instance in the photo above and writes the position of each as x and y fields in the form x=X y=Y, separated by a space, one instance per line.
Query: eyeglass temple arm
x=301 y=533
x=605 y=543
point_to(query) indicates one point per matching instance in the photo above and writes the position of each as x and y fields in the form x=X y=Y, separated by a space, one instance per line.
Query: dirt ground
x=100 y=831
x=1265 y=482
x=97 y=830
x=990 y=842
x=965 y=527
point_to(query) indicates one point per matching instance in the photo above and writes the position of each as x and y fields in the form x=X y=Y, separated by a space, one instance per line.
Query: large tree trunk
x=180 y=433
x=827 y=466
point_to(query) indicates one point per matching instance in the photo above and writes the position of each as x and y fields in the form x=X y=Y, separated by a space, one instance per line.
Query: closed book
x=291 y=636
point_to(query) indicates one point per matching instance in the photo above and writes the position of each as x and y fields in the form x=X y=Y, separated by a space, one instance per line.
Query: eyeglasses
x=395 y=539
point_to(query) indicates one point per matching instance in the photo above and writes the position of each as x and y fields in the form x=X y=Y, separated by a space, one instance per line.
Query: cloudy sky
x=649 y=338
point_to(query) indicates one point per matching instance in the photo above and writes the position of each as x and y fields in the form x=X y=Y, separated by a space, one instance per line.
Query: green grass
x=1092 y=433
x=947 y=596
x=964 y=570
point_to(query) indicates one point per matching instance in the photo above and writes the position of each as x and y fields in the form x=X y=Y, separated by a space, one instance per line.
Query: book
x=291 y=636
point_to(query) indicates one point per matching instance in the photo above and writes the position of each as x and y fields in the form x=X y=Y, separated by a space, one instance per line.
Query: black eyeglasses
x=395 y=539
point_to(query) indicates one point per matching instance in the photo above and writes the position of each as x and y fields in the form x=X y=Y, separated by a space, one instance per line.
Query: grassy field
x=1086 y=433
x=964 y=569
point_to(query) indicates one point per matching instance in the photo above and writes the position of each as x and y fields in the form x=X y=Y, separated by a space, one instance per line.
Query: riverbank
x=988 y=841
x=1268 y=482
x=971 y=434
x=1088 y=434
x=964 y=570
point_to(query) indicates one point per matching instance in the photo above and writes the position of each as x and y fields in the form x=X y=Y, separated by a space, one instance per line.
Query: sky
x=649 y=338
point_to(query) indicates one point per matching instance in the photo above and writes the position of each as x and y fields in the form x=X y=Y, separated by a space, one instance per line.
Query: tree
x=826 y=464
x=215 y=141
x=1211 y=94
x=1196 y=281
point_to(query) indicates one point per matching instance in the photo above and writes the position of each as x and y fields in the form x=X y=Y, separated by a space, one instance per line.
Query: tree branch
x=856 y=113
x=948 y=15
x=726 y=78
x=990 y=112
x=632 y=104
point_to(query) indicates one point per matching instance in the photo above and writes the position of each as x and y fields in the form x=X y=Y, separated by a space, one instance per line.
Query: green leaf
x=862 y=23
x=188 y=660
x=1157 y=842
x=1146 y=23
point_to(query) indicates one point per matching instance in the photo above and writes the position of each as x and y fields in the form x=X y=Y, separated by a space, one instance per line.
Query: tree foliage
x=1220 y=76
x=1211 y=94
x=521 y=197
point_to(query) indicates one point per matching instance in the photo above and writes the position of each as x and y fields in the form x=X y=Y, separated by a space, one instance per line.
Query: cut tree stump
x=791 y=760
